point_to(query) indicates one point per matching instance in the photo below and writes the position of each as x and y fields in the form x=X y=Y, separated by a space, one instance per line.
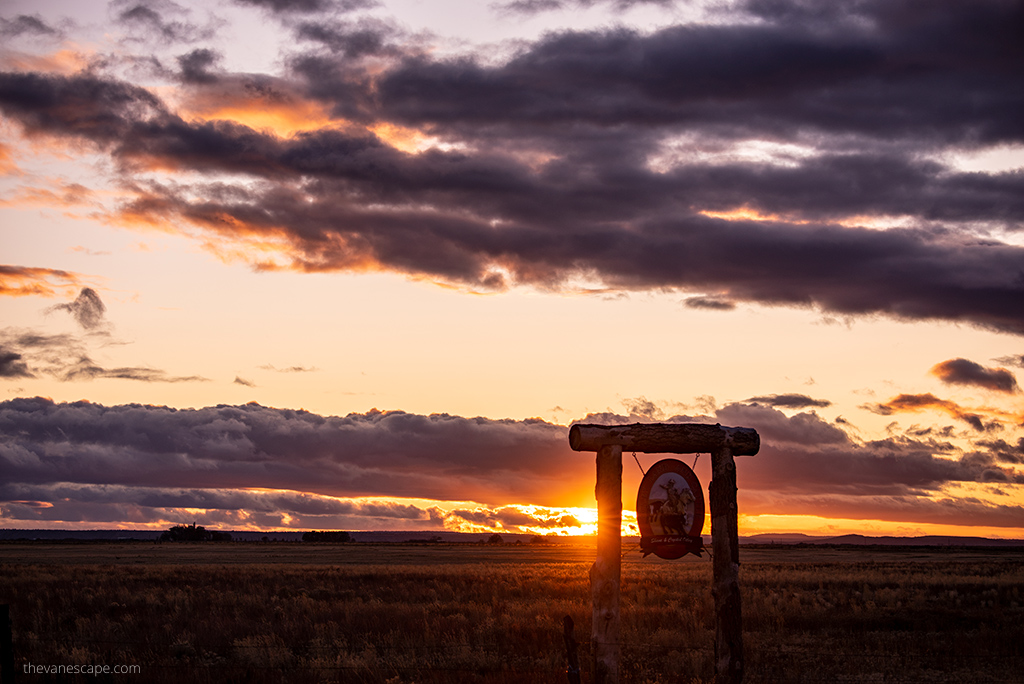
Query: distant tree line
x=326 y=536
x=194 y=533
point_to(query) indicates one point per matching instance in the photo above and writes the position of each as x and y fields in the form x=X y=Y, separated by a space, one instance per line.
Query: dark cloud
x=806 y=456
x=965 y=372
x=244 y=382
x=775 y=426
x=66 y=358
x=250 y=464
x=68 y=502
x=85 y=369
x=875 y=74
x=618 y=155
x=892 y=467
x=79 y=503
x=86 y=106
x=538 y=6
x=1014 y=360
x=150 y=18
x=790 y=401
x=922 y=402
x=530 y=6
x=1002 y=451
x=88 y=309
x=353 y=40
x=379 y=453
x=917 y=431
x=195 y=66
x=11 y=365
x=712 y=303
x=24 y=23
x=308 y=6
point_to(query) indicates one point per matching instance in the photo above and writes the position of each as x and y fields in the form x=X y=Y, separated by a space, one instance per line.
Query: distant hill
x=249 y=535
x=862 y=540
x=427 y=536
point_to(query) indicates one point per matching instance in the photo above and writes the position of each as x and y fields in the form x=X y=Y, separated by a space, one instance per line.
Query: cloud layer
x=250 y=465
x=786 y=154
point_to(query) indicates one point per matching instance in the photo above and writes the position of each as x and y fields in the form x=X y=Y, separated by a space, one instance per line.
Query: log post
x=725 y=569
x=606 y=572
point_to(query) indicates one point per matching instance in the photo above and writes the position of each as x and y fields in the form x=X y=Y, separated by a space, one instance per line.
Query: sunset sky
x=357 y=264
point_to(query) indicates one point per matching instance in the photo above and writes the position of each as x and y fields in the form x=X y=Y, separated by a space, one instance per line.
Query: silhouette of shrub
x=194 y=533
x=326 y=536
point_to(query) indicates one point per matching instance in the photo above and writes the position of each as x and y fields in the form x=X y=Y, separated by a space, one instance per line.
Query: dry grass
x=498 y=619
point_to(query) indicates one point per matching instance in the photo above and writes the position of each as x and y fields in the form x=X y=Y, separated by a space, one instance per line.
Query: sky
x=358 y=264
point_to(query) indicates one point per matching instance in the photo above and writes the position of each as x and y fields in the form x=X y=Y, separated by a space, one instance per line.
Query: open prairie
x=404 y=613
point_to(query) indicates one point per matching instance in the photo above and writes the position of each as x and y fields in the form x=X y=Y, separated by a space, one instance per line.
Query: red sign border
x=670 y=547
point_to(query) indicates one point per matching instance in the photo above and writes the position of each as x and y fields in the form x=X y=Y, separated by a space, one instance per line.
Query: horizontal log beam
x=665 y=438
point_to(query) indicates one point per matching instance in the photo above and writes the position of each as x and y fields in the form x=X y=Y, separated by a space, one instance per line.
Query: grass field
x=403 y=613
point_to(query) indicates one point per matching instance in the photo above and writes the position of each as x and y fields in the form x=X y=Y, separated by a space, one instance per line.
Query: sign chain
x=638 y=464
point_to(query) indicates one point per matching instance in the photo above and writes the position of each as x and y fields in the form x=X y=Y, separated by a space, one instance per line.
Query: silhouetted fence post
x=606 y=573
x=572 y=671
x=725 y=547
x=6 y=646
x=672 y=438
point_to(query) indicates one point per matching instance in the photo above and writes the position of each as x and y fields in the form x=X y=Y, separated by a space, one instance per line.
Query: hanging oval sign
x=670 y=511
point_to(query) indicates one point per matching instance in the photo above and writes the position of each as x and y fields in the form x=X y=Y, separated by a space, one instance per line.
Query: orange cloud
x=236 y=234
x=282 y=113
x=915 y=403
x=66 y=61
x=23 y=281
x=262 y=109
x=65 y=195
x=408 y=140
x=7 y=165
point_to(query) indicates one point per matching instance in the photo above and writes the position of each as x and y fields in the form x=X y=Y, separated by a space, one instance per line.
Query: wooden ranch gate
x=722 y=443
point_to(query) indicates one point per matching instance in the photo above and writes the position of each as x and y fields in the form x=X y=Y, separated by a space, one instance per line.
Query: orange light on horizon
x=818 y=526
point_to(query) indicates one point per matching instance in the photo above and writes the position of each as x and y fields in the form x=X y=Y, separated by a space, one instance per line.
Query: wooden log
x=665 y=438
x=606 y=572
x=571 y=654
x=725 y=581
